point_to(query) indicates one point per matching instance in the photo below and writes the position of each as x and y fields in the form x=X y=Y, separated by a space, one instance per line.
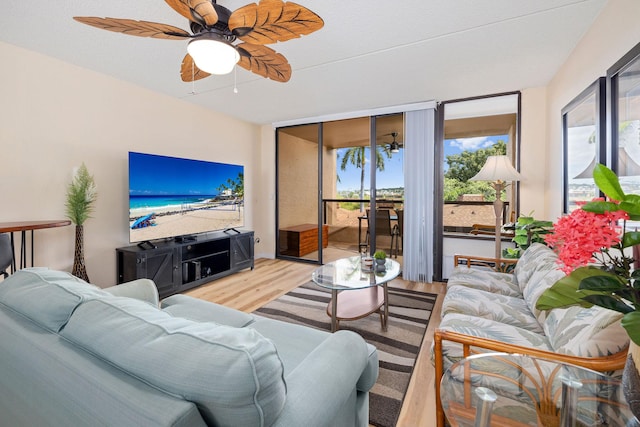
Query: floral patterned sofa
x=485 y=310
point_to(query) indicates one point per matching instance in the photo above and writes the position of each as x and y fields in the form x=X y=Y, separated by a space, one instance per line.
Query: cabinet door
x=161 y=266
x=242 y=251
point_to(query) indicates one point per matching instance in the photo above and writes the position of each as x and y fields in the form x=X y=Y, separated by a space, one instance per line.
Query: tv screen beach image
x=170 y=196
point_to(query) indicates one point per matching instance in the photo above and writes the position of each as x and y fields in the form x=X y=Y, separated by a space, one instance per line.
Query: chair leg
x=397 y=251
x=393 y=240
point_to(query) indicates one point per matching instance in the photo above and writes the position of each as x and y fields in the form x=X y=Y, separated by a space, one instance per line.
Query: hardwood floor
x=251 y=289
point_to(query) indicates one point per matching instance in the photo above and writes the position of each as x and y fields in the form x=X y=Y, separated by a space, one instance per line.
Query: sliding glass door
x=300 y=234
x=388 y=183
x=325 y=188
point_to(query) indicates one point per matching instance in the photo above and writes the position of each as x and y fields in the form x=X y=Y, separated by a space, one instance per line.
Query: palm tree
x=357 y=157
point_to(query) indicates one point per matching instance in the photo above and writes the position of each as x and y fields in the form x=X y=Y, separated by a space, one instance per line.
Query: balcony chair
x=6 y=254
x=384 y=228
x=400 y=231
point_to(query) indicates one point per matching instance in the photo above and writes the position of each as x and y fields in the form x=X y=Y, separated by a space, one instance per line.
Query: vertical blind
x=417 y=241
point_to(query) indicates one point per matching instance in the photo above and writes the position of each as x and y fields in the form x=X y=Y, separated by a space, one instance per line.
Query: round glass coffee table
x=367 y=290
x=499 y=389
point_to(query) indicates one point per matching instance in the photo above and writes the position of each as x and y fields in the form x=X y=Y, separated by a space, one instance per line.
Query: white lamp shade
x=213 y=56
x=497 y=168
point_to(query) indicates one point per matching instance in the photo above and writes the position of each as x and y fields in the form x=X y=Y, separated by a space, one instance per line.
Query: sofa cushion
x=204 y=311
x=234 y=375
x=295 y=341
x=490 y=281
x=500 y=308
x=47 y=297
x=587 y=332
x=542 y=279
x=45 y=380
x=486 y=328
x=535 y=257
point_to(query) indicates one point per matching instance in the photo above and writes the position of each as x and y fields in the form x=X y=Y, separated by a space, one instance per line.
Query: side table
x=500 y=389
x=23 y=227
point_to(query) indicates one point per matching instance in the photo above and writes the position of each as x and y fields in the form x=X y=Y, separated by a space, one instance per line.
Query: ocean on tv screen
x=170 y=196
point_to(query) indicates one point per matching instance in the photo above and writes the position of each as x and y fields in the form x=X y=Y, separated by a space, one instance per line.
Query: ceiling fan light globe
x=213 y=56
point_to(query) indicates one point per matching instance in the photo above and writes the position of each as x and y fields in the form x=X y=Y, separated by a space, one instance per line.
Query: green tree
x=357 y=157
x=465 y=165
x=453 y=189
x=236 y=186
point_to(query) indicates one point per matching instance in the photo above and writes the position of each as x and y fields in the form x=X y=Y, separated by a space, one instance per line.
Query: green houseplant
x=380 y=257
x=527 y=230
x=81 y=196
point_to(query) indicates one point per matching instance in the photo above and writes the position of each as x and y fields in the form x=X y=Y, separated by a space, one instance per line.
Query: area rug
x=409 y=313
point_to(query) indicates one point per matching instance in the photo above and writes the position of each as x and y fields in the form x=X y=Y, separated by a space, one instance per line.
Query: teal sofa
x=72 y=354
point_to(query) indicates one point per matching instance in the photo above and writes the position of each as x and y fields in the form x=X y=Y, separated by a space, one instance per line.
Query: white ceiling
x=370 y=53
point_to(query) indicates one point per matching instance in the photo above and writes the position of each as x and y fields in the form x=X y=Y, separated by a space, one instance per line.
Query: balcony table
x=23 y=227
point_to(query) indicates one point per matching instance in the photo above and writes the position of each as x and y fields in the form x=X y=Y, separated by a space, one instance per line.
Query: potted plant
x=591 y=246
x=380 y=257
x=81 y=195
x=527 y=230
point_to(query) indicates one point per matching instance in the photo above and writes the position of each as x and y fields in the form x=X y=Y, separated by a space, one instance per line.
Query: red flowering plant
x=591 y=248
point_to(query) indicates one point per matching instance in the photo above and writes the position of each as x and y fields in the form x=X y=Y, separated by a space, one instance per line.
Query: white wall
x=613 y=34
x=54 y=116
x=265 y=197
x=533 y=152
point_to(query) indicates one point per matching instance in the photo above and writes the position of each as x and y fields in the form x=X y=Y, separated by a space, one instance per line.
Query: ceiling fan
x=395 y=146
x=216 y=28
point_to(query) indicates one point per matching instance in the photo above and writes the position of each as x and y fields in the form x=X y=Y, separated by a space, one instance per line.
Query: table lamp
x=498 y=170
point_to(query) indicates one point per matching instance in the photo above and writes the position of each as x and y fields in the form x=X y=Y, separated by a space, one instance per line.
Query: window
x=473 y=130
x=584 y=135
x=624 y=89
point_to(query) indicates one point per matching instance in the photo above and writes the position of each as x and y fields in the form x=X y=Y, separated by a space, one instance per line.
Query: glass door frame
x=373 y=173
x=372 y=140
x=319 y=215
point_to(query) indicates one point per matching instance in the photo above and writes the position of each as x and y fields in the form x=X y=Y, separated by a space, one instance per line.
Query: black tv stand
x=175 y=266
x=141 y=245
x=227 y=230
x=183 y=239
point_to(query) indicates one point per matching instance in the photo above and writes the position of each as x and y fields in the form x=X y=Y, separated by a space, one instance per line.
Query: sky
x=392 y=176
x=154 y=175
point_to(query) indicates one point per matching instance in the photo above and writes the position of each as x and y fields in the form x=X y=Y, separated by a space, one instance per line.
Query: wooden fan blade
x=203 y=9
x=189 y=71
x=264 y=62
x=135 y=28
x=273 y=21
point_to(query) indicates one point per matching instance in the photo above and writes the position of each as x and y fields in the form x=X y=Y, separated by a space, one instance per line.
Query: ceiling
x=351 y=132
x=370 y=53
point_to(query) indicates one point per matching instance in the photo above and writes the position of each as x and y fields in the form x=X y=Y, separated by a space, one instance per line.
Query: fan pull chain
x=193 y=79
x=235 y=79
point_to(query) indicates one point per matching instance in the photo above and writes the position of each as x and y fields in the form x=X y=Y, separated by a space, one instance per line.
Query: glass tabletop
x=498 y=389
x=347 y=273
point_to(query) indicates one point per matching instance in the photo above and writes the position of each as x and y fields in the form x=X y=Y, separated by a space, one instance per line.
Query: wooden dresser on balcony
x=300 y=240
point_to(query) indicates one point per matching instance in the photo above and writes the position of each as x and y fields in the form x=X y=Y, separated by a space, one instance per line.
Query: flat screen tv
x=171 y=197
